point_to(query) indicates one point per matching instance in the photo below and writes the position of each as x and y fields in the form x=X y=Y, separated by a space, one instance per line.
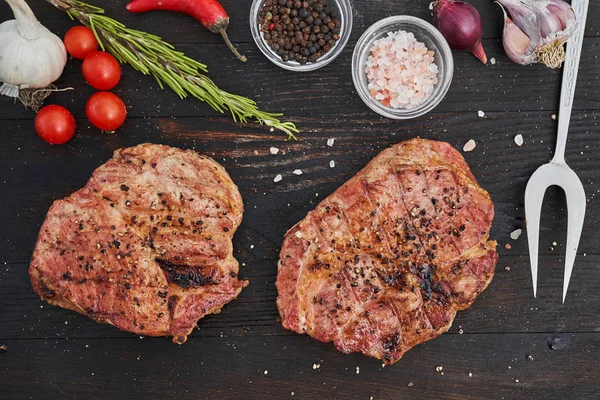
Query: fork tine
x=576 y=209
x=534 y=196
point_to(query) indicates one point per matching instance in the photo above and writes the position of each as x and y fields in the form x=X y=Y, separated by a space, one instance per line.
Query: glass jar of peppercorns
x=301 y=35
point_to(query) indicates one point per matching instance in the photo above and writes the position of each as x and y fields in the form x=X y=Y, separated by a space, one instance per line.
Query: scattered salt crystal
x=278 y=178
x=357 y=370
x=331 y=164
x=439 y=368
x=431 y=5
x=480 y=114
x=470 y=374
x=519 y=140
x=266 y=372
x=469 y=146
x=514 y=235
x=274 y=150
x=554 y=243
x=297 y=172
x=553 y=117
x=330 y=142
x=316 y=366
x=272 y=129
x=493 y=61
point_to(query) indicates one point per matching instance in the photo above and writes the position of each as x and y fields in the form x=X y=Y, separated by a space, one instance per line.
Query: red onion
x=460 y=24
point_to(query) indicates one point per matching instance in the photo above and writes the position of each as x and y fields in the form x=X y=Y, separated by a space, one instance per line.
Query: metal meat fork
x=557 y=172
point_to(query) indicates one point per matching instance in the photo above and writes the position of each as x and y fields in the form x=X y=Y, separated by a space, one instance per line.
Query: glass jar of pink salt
x=402 y=67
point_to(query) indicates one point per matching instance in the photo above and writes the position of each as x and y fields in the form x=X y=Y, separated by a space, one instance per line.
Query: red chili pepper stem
x=221 y=27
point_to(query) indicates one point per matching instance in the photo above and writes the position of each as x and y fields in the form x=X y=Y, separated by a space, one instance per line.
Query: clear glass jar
x=424 y=32
x=344 y=10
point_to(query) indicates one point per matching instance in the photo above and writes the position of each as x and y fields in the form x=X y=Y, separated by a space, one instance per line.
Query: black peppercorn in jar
x=300 y=31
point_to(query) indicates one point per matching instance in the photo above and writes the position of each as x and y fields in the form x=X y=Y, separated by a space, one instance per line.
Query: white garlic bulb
x=30 y=55
x=537 y=31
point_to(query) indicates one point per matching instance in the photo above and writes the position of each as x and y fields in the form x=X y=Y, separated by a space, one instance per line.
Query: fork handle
x=569 y=80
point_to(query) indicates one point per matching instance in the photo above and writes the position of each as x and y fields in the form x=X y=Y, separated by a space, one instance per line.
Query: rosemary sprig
x=150 y=55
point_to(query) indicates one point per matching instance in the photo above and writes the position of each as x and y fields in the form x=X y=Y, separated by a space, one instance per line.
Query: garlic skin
x=516 y=42
x=30 y=55
x=548 y=24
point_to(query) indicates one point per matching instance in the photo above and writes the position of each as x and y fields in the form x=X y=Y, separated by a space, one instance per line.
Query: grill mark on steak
x=359 y=307
x=345 y=221
x=469 y=211
x=171 y=303
x=418 y=213
x=186 y=276
x=47 y=293
x=391 y=342
x=436 y=210
x=424 y=272
x=321 y=239
x=427 y=281
x=379 y=223
x=392 y=169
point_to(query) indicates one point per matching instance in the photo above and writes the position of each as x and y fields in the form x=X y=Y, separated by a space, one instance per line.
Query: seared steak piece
x=384 y=263
x=145 y=245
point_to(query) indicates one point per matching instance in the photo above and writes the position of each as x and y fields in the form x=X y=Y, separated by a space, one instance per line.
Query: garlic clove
x=516 y=42
x=564 y=14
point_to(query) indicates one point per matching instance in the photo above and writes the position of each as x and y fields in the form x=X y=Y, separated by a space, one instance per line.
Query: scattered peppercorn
x=300 y=31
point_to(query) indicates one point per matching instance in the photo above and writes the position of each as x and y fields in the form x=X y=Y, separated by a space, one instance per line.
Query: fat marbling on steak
x=145 y=245
x=384 y=263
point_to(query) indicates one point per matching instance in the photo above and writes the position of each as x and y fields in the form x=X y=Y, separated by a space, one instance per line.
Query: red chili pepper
x=271 y=26
x=208 y=12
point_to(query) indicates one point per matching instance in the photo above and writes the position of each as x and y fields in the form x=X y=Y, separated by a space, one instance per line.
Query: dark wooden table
x=507 y=346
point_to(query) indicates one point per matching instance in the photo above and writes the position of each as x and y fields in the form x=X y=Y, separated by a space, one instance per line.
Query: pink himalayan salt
x=400 y=70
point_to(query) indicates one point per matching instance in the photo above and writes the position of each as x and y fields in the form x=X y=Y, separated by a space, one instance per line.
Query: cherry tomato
x=106 y=111
x=80 y=41
x=54 y=124
x=101 y=70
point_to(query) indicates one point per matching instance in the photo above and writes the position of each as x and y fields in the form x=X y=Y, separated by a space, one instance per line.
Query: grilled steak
x=384 y=263
x=145 y=245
